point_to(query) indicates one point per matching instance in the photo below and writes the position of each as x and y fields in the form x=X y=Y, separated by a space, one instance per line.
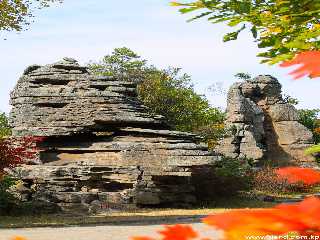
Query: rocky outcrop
x=262 y=126
x=102 y=148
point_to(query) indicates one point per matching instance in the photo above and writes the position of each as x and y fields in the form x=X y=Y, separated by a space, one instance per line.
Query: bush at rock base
x=6 y=198
x=267 y=180
x=4 y=126
x=309 y=118
x=14 y=151
x=315 y=151
x=232 y=176
x=227 y=179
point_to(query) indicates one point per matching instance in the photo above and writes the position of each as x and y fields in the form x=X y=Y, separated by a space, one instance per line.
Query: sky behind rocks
x=88 y=30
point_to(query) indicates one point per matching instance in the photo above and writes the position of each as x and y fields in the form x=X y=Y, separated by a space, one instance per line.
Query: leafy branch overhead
x=16 y=14
x=281 y=28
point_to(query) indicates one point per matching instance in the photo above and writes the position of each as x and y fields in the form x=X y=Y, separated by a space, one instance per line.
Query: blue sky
x=88 y=30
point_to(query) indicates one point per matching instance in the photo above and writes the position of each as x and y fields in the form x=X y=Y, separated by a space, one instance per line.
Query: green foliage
x=4 y=127
x=290 y=100
x=15 y=14
x=165 y=92
x=313 y=150
x=232 y=176
x=243 y=76
x=228 y=178
x=309 y=118
x=6 y=198
x=281 y=28
x=122 y=63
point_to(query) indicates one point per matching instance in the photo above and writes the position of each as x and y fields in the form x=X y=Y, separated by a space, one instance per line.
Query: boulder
x=262 y=126
x=292 y=132
x=283 y=112
x=101 y=146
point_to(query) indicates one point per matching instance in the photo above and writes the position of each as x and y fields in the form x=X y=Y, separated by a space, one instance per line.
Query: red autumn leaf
x=293 y=175
x=178 y=232
x=309 y=62
x=14 y=151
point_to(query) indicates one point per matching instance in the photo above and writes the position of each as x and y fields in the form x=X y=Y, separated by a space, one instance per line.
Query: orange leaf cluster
x=294 y=175
x=301 y=219
x=175 y=232
x=309 y=62
x=317 y=130
x=19 y=238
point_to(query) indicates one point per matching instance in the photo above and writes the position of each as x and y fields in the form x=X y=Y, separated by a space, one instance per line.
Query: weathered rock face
x=263 y=126
x=101 y=147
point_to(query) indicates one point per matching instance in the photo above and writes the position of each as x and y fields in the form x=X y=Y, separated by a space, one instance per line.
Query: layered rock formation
x=263 y=127
x=101 y=146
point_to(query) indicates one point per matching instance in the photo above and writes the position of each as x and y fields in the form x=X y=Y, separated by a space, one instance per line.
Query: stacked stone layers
x=263 y=127
x=101 y=146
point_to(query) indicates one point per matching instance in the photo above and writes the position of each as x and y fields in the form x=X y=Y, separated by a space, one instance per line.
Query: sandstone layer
x=102 y=148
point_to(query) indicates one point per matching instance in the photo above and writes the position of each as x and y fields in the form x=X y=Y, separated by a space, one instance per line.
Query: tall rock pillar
x=262 y=126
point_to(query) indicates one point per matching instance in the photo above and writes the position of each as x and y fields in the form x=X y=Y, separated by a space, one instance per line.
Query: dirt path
x=92 y=233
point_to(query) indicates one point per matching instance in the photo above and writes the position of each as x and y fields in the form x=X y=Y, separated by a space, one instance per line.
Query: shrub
x=284 y=180
x=228 y=178
x=309 y=118
x=315 y=151
x=14 y=151
x=235 y=176
x=4 y=126
x=7 y=201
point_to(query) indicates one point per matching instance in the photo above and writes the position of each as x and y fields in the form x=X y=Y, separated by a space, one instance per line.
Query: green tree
x=309 y=118
x=291 y=100
x=122 y=63
x=166 y=92
x=243 y=76
x=16 y=14
x=4 y=126
x=282 y=28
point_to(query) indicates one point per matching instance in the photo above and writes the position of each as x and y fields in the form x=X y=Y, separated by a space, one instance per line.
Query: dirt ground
x=109 y=232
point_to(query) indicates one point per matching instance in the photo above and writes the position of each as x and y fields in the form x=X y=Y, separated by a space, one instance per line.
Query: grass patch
x=289 y=195
x=142 y=216
x=239 y=202
x=145 y=216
